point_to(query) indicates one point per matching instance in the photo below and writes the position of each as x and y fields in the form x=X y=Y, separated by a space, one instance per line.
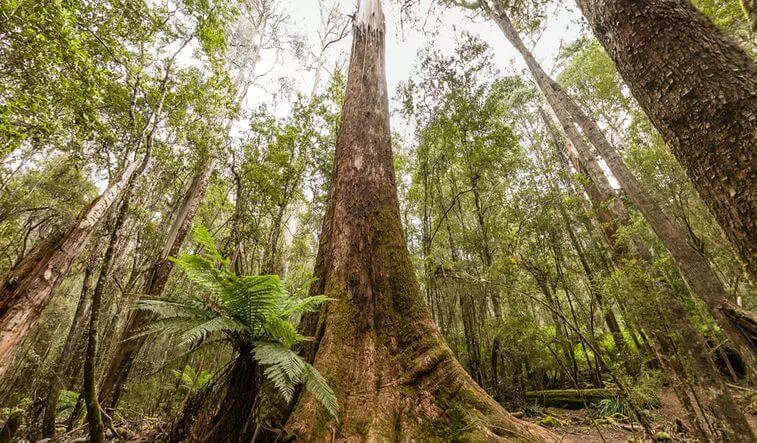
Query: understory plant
x=251 y=313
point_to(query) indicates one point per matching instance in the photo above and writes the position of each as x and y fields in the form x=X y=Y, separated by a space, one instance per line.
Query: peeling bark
x=395 y=378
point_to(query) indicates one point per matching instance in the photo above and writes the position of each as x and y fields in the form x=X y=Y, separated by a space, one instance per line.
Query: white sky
x=402 y=46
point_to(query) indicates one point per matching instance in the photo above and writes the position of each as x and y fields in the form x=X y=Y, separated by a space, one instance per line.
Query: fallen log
x=570 y=398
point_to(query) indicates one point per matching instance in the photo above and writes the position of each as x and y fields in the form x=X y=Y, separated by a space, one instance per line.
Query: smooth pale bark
x=699 y=89
x=395 y=378
x=127 y=350
x=30 y=285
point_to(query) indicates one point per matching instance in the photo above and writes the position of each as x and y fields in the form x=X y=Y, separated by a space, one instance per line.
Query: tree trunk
x=58 y=382
x=750 y=9
x=699 y=89
x=693 y=266
x=394 y=376
x=30 y=285
x=127 y=350
x=94 y=417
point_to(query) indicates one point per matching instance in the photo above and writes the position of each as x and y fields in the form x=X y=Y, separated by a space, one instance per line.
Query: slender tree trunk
x=59 y=378
x=94 y=417
x=30 y=285
x=394 y=376
x=699 y=89
x=127 y=350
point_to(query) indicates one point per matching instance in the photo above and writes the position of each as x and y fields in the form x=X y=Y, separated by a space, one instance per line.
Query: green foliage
x=190 y=381
x=250 y=312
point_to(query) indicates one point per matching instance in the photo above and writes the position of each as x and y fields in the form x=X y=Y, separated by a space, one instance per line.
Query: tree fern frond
x=184 y=308
x=285 y=369
x=283 y=331
x=201 y=271
x=201 y=235
x=317 y=385
x=307 y=304
x=216 y=325
x=168 y=326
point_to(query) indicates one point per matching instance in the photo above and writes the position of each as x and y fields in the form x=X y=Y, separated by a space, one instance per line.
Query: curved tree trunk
x=395 y=378
x=29 y=287
x=699 y=89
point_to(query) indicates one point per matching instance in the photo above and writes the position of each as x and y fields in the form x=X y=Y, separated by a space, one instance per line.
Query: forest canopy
x=378 y=220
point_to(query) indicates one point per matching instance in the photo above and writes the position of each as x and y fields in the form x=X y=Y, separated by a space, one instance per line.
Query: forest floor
x=576 y=426
x=571 y=425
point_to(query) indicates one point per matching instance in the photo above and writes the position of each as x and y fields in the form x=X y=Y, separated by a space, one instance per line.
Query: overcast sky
x=403 y=42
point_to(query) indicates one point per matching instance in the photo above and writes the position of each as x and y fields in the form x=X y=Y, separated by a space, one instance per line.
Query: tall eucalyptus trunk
x=699 y=89
x=395 y=378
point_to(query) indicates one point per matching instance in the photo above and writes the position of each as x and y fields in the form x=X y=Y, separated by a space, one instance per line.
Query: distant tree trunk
x=394 y=376
x=94 y=417
x=59 y=374
x=699 y=89
x=127 y=350
x=30 y=285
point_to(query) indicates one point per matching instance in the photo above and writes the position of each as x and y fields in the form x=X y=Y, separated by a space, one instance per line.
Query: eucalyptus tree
x=700 y=95
x=378 y=327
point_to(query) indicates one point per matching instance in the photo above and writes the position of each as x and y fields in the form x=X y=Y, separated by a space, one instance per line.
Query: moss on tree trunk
x=395 y=378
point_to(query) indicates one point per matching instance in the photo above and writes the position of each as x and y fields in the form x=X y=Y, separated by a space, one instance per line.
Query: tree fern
x=251 y=312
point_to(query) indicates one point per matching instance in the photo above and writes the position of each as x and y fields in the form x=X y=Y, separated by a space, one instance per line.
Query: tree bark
x=30 y=285
x=127 y=350
x=394 y=376
x=94 y=417
x=699 y=89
